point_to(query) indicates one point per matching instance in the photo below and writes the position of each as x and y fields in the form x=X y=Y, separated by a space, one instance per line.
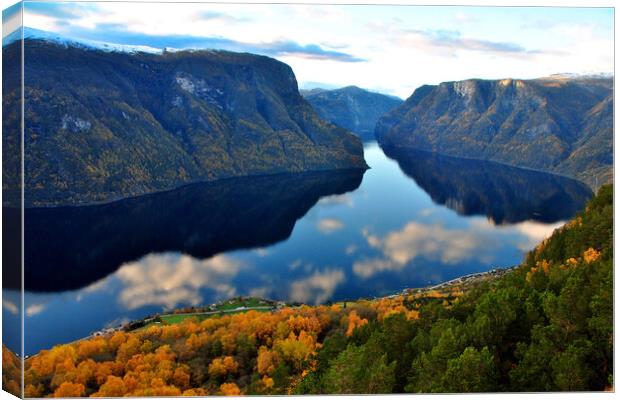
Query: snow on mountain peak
x=37 y=34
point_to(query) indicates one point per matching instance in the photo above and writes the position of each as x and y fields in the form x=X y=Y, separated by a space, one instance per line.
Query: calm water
x=413 y=219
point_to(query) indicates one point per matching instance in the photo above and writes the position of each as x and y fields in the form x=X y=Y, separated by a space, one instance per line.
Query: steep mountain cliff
x=558 y=124
x=352 y=108
x=103 y=125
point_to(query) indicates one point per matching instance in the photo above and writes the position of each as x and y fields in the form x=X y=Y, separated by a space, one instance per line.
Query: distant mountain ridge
x=351 y=107
x=559 y=124
x=105 y=124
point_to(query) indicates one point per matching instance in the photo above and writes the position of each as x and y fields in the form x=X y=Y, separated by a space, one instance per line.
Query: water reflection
x=71 y=247
x=171 y=279
x=477 y=242
x=307 y=238
x=503 y=193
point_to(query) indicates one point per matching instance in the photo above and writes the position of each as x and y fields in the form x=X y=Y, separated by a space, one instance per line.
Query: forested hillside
x=558 y=124
x=352 y=108
x=109 y=125
x=547 y=326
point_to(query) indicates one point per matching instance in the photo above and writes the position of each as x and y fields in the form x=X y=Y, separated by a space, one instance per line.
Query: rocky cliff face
x=352 y=108
x=558 y=124
x=107 y=125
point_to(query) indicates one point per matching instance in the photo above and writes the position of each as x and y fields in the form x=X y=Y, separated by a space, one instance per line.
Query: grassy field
x=227 y=308
x=236 y=303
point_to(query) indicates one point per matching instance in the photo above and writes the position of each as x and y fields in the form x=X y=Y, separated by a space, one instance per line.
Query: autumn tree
x=230 y=389
x=68 y=389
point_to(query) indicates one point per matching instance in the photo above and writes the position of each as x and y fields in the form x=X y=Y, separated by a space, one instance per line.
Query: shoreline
x=269 y=305
x=275 y=305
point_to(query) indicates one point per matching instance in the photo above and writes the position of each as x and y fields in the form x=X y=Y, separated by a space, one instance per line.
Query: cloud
x=221 y=17
x=451 y=42
x=261 y=252
x=169 y=280
x=10 y=306
x=369 y=267
x=308 y=51
x=351 y=249
x=261 y=292
x=116 y=33
x=425 y=212
x=316 y=288
x=433 y=242
x=57 y=10
x=461 y=17
x=11 y=19
x=34 y=309
x=329 y=225
x=477 y=241
x=337 y=199
x=533 y=233
x=447 y=42
x=295 y=264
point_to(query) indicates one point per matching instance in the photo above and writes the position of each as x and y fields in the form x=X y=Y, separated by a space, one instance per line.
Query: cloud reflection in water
x=447 y=245
x=318 y=287
x=171 y=279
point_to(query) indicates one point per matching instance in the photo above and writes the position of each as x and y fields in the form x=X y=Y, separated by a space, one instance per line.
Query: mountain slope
x=352 y=108
x=103 y=125
x=557 y=124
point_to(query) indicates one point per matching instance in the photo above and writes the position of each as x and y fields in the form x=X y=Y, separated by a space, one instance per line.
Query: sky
x=389 y=49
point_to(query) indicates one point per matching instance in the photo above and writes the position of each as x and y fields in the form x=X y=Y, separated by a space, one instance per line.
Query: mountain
x=503 y=193
x=105 y=124
x=352 y=108
x=559 y=124
x=244 y=212
x=308 y=92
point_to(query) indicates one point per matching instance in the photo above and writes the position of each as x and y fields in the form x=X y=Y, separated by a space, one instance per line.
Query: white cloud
x=477 y=241
x=329 y=225
x=295 y=264
x=10 y=306
x=425 y=212
x=408 y=47
x=11 y=20
x=337 y=199
x=369 y=267
x=350 y=249
x=260 y=292
x=262 y=252
x=169 y=280
x=34 y=309
x=434 y=242
x=316 y=288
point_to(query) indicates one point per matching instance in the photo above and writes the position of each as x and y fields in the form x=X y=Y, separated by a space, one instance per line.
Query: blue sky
x=392 y=49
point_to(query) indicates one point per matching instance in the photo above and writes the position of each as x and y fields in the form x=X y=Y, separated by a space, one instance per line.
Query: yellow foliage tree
x=354 y=321
x=68 y=389
x=267 y=361
x=222 y=366
x=591 y=255
x=230 y=389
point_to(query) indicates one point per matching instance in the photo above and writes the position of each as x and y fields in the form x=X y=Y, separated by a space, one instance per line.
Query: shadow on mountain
x=71 y=247
x=503 y=193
